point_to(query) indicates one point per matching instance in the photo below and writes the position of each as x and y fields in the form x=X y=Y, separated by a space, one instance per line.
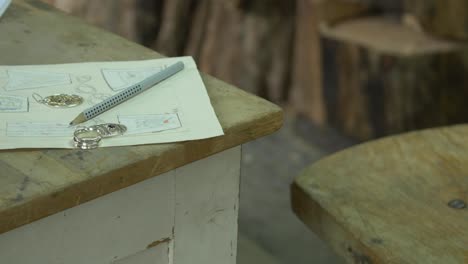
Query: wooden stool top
x=38 y=183
x=387 y=36
x=387 y=201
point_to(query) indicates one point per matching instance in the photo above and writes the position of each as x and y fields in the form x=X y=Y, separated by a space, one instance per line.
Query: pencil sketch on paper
x=30 y=79
x=137 y=124
x=167 y=113
x=38 y=129
x=10 y=103
x=119 y=79
x=84 y=87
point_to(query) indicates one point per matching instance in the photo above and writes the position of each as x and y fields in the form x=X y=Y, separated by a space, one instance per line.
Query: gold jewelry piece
x=59 y=100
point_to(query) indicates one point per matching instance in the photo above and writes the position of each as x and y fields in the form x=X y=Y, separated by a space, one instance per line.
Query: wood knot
x=457 y=204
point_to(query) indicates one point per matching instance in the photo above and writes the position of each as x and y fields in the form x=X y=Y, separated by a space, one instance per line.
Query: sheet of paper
x=139 y=124
x=119 y=79
x=177 y=109
x=3 y=6
x=18 y=79
x=11 y=103
x=32 y=129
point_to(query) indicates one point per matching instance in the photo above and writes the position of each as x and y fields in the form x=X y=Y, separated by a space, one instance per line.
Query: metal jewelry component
x=110 y=130
x=59 y=100
x=89 y=137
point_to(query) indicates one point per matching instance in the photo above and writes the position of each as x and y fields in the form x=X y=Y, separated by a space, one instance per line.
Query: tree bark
x=382 y=78
x=307 y=92
x=443 y=18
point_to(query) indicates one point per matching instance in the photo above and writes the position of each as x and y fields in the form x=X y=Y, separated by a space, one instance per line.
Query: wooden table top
x=39 y=182
x=387 y=201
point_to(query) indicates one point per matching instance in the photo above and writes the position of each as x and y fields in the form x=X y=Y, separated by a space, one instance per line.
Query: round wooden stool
x=401 y=199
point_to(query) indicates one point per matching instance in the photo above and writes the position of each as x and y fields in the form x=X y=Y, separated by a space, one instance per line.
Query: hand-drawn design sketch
x=98 y=97
x=38 y=129
x=137 y=124
x=83 y=85
x=119 y=79
x=177 y=109
x=29 y=79
x=10 y=103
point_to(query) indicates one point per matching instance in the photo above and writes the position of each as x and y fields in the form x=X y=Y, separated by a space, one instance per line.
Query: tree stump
x=306 y=92
x=383 y=78
x=441 y=17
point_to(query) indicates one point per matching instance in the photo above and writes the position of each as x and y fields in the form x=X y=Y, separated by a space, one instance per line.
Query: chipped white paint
x=195 y=206
x=206 y=214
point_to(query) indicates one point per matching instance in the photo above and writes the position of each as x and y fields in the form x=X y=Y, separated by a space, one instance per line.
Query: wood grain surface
x=37 y=183
x=387 y=201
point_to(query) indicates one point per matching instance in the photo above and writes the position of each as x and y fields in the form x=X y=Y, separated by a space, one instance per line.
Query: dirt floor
x=269 y=231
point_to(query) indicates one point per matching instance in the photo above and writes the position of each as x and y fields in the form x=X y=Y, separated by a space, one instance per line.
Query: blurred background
x=345 y=71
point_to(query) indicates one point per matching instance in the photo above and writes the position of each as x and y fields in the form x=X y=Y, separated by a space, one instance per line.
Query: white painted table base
x=185 y=216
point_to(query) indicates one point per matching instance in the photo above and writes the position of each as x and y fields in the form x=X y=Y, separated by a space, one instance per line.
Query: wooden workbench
x=402 y=199
x=107 y=205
